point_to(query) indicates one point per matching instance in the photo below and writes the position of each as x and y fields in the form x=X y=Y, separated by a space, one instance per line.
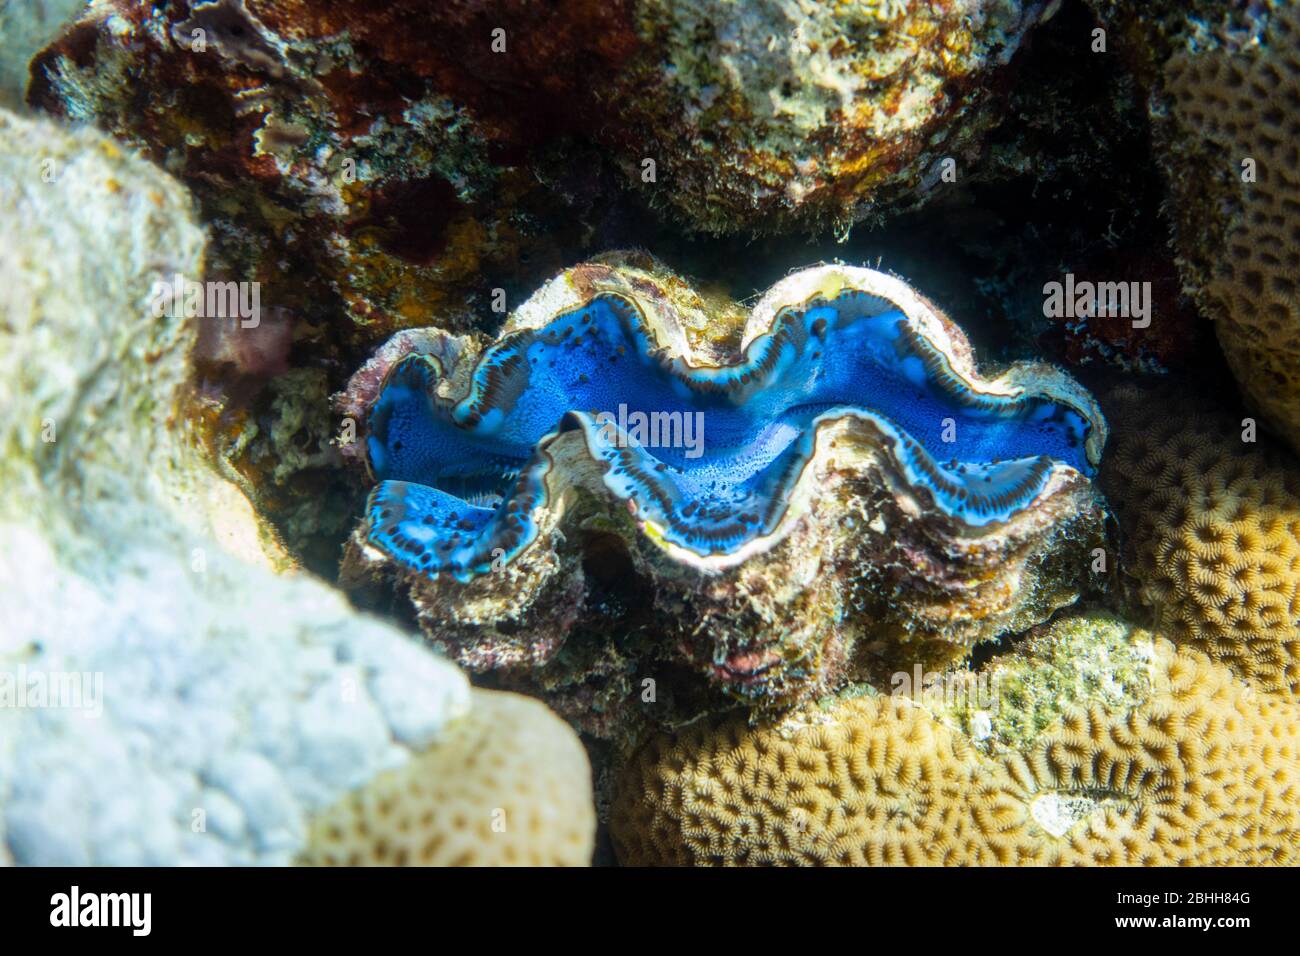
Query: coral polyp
x=595 y=407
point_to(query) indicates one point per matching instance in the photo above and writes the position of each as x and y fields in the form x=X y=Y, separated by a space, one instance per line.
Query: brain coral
x=509 y=785
x=1212 y=529
x=873 y=782
x=1227 y=133
x=1197 y=770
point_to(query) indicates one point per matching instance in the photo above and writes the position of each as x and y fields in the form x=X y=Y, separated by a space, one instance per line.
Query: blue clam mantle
x=709 y=457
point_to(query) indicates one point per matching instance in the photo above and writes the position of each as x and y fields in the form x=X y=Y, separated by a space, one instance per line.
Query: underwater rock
x=758 y=117
x=166 y=698
x=1182 y=765
x=767 y=116
x=1211 y=529
x=840 y=469
x=1224 y=86
x=340 y=166
x=278 y=449
x=342 y=178
x=354 y=195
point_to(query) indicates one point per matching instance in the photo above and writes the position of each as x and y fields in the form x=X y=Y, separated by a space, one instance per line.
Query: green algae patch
x=1082 y=661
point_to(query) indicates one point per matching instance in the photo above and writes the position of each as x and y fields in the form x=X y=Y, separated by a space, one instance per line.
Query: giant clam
x=838 y=480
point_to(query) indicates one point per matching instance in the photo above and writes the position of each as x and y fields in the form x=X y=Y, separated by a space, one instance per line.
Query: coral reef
x=373 y=180
x=756 y=567
x=1250 y=288
x=1193 y=768
x=508 y=785
x=843 y=452
x=1212 y=531
x=167 y=698
x=1224 y=80
x=1003 y=706
x=874 y=781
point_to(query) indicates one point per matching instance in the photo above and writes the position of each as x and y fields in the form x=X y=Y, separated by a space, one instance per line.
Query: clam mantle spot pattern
x=461 y=478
